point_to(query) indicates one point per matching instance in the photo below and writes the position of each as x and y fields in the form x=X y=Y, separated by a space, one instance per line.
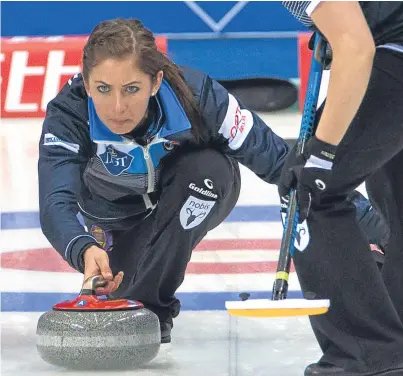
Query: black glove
x=310 y=173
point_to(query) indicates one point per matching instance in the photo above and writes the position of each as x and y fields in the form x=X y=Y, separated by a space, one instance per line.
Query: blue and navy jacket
x=112 y=180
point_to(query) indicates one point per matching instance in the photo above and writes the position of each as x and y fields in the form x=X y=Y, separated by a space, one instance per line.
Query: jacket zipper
x=150 y=167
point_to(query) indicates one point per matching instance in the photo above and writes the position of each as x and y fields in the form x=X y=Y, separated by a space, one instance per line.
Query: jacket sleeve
x=242 y=134
x=62 y=159
x=371 y=222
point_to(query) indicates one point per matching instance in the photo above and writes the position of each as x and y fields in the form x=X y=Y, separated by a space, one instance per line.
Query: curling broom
x=279 y=305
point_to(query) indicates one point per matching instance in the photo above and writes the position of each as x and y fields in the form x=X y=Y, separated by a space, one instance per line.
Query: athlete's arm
x=344 y=26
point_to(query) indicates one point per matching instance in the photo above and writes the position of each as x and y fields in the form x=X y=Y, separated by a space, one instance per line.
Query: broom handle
x=280 y=287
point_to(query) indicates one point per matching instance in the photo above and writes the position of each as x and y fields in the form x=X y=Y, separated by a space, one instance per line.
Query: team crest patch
x=103 y=238
x=194 y=211
x=115 y=161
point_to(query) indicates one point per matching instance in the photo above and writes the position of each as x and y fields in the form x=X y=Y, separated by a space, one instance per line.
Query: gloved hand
x=310 y=173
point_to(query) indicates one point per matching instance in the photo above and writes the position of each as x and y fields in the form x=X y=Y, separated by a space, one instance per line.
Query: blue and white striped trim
x=302 y=10
x=315 y=162
x=68 y=249
x=312 y=6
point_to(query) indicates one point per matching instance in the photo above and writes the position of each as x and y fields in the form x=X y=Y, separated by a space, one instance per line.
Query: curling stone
x=95 y=333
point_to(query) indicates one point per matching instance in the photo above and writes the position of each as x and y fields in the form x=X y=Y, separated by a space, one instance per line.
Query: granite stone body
x=98 y=339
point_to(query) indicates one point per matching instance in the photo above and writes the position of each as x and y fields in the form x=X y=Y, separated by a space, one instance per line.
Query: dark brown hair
x=122 y=38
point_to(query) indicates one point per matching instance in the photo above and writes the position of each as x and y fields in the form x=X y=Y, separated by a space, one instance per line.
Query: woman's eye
x=132 y=89
x=103 y=88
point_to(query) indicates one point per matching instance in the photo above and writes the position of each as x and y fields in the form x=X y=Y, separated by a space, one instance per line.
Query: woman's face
x=121 y=92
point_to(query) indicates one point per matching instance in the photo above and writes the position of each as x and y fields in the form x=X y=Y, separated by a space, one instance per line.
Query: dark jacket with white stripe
x=112 y=180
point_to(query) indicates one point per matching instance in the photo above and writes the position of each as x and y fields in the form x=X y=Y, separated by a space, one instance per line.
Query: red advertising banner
x=304 y=62
x=33 y=70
